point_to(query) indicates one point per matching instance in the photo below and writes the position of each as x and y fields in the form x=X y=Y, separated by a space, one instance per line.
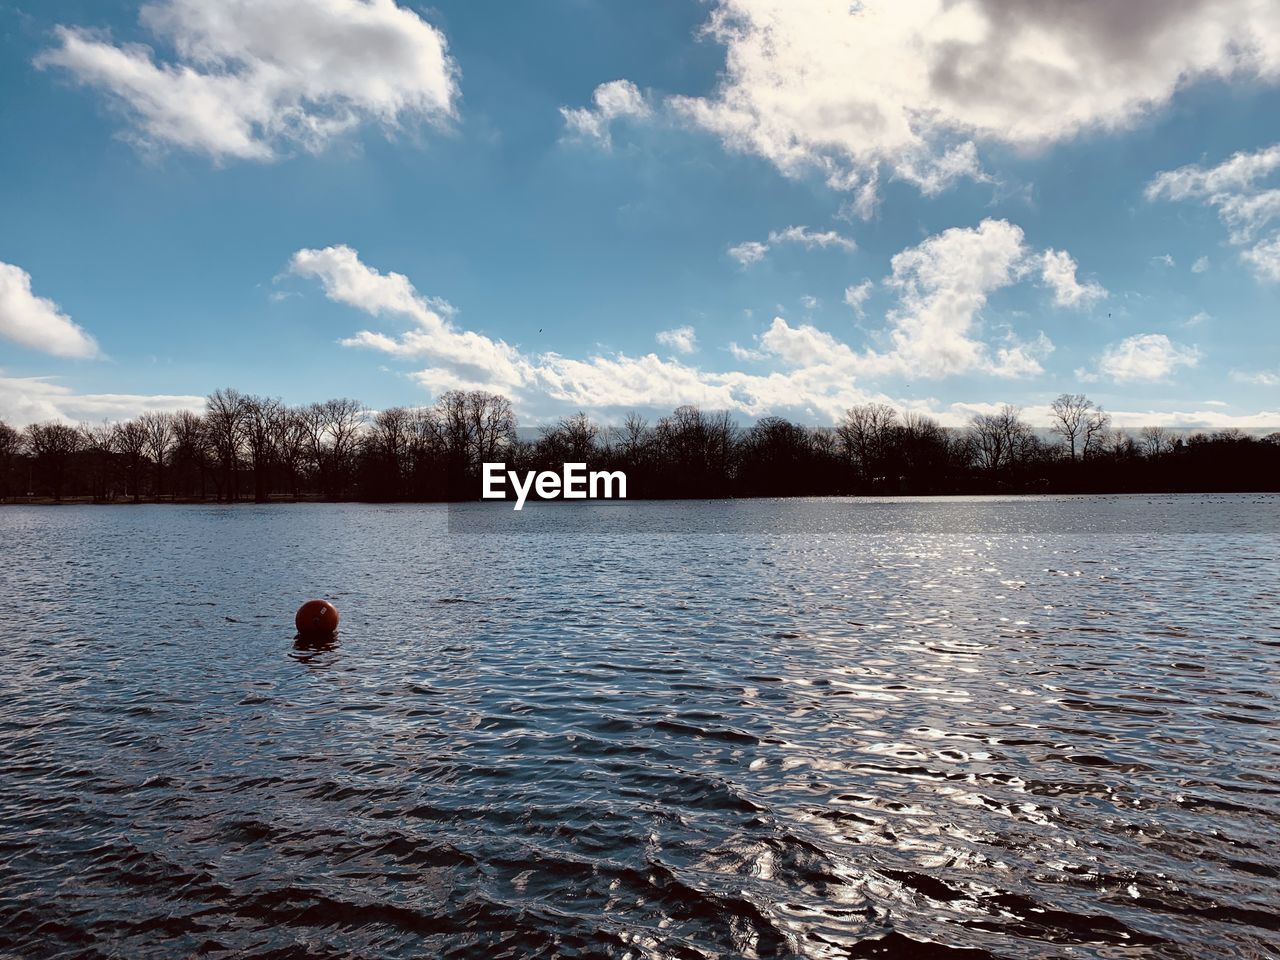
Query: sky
x=771 y=207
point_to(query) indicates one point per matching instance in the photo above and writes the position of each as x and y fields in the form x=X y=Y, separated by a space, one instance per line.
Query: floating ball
x=316 y=618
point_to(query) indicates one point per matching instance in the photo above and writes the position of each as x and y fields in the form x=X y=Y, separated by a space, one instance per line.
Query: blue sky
x=754 y=205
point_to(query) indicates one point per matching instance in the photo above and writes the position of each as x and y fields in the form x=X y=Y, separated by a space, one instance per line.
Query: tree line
x=260 y=449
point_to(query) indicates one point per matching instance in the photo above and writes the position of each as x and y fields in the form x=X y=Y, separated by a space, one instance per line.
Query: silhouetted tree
x=129 y=441
x=1000 y=440
x=864 y=433
x=158 y=428
x=97 y=445
x=335 y=450
x=1156 y=441
x=52 y=445
x=10 y=448
x=225 y=414
x=260 y=418
x=189 y=461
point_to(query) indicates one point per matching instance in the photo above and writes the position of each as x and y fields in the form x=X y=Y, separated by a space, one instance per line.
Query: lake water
x=807 y=728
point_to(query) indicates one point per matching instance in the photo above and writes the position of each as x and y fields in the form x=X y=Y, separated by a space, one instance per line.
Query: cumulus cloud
x=250 y=77
x=617 y=98
x=753 y=251
x=25 y=400
x=1144 y=357
x=943 y=284
x=854 y=89
x=37 y=322
x=1236 y=189
x=680 y=339
x=934 y=330
x=1058 y=269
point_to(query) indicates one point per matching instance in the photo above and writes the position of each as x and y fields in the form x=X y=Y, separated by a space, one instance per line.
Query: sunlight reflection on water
x=656 y=744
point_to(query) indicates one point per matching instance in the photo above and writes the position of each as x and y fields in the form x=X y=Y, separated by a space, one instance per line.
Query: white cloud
x=851 y=89
x=749 y=252
x=26 y=400
x=1164 y=259
x=856 y=296
x=1248 y=209
x=681 y=339
x=1259 y=378
x=1265 y=259
x=934 y=330
x=958 y=414
x=1195 y=419
x=37 y=322
x=1058 y=269
x=617 y=98
x=249 y=77
x=944 y=283
x=745 y=353
x=464 y=358
x=1238 y=173
x=810 y=302
x=1145 y=356
x=753 y=251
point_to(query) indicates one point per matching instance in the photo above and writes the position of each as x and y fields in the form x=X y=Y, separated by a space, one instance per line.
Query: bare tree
x=1155 y=441
x=1096 y=425
x=998 y=440
x=158 y=428
x=10 y=446
x=291 y=437
x=391 y=440
x=572 y=439
x=824 y=441
x=492 y=426
x=225 y=412
x=98 y=442
x=190 y=448
x=260 y=419
x=1079 y=421
x=129 y=440
x=864 y=434
x=52 y=445
x=637 y=438
x=332 y=430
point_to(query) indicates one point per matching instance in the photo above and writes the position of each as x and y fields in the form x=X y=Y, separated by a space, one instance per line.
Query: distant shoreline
x=309 y=501
x=258 y=450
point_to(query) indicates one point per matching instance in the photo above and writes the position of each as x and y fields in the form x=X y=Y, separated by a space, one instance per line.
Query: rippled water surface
x=876 y=737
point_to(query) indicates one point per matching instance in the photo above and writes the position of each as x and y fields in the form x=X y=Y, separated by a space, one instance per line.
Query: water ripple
x=899 y=743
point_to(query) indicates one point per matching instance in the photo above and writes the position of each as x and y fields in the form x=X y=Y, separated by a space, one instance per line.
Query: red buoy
x=316 y=618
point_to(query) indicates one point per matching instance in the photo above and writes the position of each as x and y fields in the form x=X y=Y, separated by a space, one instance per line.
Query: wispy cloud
x=753 y=251
x=1234 y=188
